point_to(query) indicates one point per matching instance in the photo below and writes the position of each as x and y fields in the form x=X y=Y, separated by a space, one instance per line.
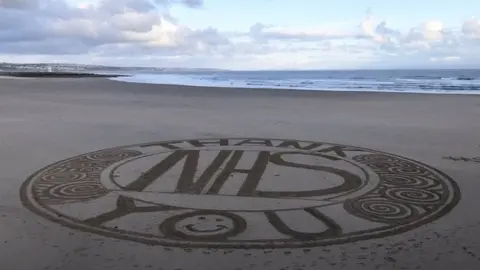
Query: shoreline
x=292 y=90
x=107 y=81
x=101 y=83
x=126 y=79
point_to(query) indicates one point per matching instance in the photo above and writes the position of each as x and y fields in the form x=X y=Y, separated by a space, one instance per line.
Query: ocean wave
x=466 y=79
x=433 y=78
x=447 y=84
x=360 y=78
x=424 y=77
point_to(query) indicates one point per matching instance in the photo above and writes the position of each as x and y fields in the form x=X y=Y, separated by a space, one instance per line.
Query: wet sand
x=46 y=120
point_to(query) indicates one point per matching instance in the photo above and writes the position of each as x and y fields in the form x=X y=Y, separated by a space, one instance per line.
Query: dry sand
x=43 y=121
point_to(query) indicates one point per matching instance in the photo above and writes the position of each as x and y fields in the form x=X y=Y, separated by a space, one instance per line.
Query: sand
x=46 y=120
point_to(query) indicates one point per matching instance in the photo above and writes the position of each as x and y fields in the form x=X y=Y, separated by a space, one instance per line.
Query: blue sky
x=240 y=14
x=243 y=34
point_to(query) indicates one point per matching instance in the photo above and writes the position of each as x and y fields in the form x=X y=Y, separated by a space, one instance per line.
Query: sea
x=433 y=81
x=403 y=81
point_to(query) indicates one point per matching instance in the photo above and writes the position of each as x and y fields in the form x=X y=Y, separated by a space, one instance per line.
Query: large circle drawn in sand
x=240 y=193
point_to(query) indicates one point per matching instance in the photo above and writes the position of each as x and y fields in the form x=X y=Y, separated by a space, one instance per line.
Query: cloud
x=445 y=59
x=144 y=32
x=192 y=3
x=19 y=4
x=263 y=32
x=471 y=28
x=428 y=31
x=37 y=26
x=430 y=39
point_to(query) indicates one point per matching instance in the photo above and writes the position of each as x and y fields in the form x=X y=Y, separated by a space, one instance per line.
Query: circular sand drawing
x=240 y=193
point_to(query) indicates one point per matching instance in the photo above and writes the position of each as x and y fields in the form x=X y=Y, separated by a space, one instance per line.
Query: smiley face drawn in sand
x=203 y=226
x=206 y=224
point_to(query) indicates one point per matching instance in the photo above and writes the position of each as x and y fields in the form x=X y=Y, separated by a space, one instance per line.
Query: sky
x=243 y=34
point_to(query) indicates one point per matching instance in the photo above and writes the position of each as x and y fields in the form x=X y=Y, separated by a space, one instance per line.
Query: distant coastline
x=46 y=74
x=94 y=68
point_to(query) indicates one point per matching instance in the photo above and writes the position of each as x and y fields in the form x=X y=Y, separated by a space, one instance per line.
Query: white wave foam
x=208 y=80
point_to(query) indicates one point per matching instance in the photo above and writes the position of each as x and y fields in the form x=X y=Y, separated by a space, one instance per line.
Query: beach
x=43 y=121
